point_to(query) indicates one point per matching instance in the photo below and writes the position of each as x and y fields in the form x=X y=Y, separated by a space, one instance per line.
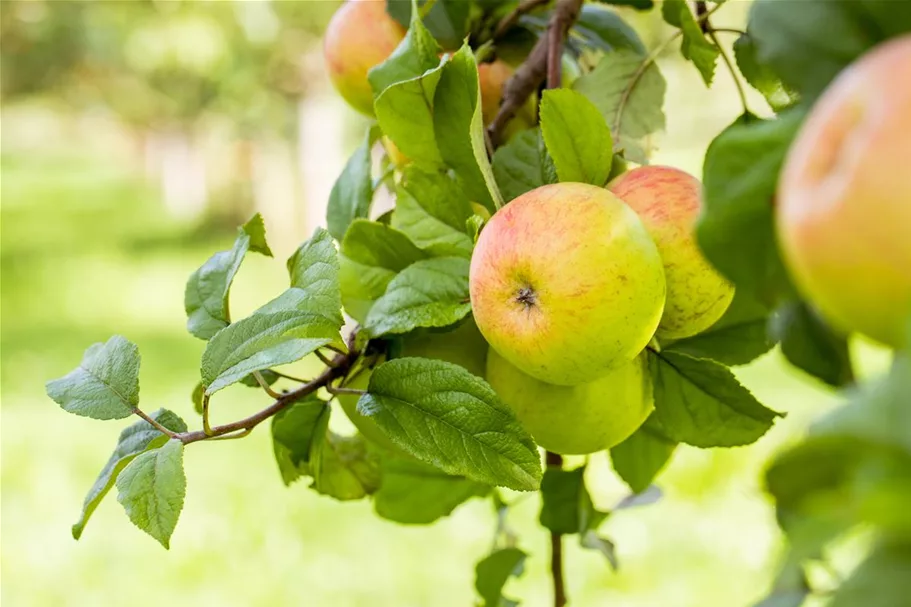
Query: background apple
x=491 y=79
x=575 y=420
x=566 y=283
x=360 y=35
x=844 y=198
x=668 y=201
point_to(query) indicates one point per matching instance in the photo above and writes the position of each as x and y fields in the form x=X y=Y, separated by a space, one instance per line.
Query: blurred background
x=136 y=136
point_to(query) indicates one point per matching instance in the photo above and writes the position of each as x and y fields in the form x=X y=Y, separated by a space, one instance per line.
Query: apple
x=566 y=283
x=668 y=201
x=463 y=346
x=492 y=77
x=843 y=209
x=581 y=419
x=360 y=35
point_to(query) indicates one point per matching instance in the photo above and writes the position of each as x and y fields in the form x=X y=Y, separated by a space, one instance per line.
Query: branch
x=529 y=76
x=554 y=460
x=506 y=23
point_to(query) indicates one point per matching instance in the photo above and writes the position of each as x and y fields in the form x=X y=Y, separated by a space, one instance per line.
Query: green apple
x=575 y=420
x=843 y=212
x=463 y=346
x=566 y=283
x=360 y=35
x=668 y=201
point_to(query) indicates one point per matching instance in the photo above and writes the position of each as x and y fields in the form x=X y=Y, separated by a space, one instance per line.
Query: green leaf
x=492 y=573
x=517 y=165
x=352 y=192
x=152 y=488
x=199 y=391
x=628 y=89
x=135 y=439
x=566 y=506
x=341 y=466
x=105 y=385
x=701 y=403
x=445 y=416
x=736 y=228
x=206 y=294
x=459 y=128
x=642 y=456
x=415 y=54
x=405 y=113
x=606 y=30
x=592 y=541
x=428 y=293
x=431 y=209
x=292 y=436
x=739 y=337
x=414 y=493
x=447 y=19
x=577 y=137
x=760 y=76
x=790 y=588
x=881 y=580
x=811 y=345
x=267 y=375
x=695 y=46
x=642 y=5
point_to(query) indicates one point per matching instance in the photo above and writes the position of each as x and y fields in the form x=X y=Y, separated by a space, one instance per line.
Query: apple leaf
x=352 y=192
x=415 y=54
x=695 y=46
x=881 y=580
x=293 y=434
x=642 y=456
x=577 y=137
x=517 y=165
x=760 y=76
x=445 y=416
x=152 y=488
x=405 y=114
x=105 y=385
x=811 y=345
x=428 y=293
x=206 y=294
x=459 y=128
x=701 y=403
x=341 y=466
x=566 y=506
x=606 y=30
x=414 y=493
x=447 y=20
x=629 y=92
x=492 y=573
x=642 y=5
x=134 y=439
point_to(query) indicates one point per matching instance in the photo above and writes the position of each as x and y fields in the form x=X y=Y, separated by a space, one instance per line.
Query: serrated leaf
x=640 y=458
x=292 y=436
x=760 y=76
x=152 y=489
x=459 y=128
x=105 y=385
x=566 y=506
x=629 y=92
x=206 y=293
x=606 y=30
x=342 y=467
x=352 y=192
x=695 y=46
x=445 y=416
x=405 y=114
x=134 y=439
x=415 y=54
x=492 y=573
x=517 y=165
x=701 y=403
x=431 y=209
x=447 y=19
x=428 y=293
x=577 y=137
x=736 y=228
x=414 y=493
x=811 y=345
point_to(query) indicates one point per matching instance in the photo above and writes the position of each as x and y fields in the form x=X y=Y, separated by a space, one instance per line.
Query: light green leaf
x=577 y=137
x=415 y=54
x=695 y=46
x=152 y=489
x=881 y=580
x=492 y=573
x=428 y=293
x=432 y=209
x=342 y=467
x=642 y=456
x=352 y=192
x=445 y=416
x=135 y=439
x=760 y=76
x=293 y=432
x=405 y=113
x=105 y=385
x=517 y=165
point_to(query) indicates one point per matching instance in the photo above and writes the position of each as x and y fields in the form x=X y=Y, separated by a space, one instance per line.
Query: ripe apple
x=566 y=283
x=581 y=419
x=360 y=35
x=463 y=346
x=491 y=79
x=668 y=202
x=843 y=213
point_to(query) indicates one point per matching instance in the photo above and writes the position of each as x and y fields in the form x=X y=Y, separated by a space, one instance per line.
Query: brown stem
x=554 y=460
x=506 y=23
x=701 y=11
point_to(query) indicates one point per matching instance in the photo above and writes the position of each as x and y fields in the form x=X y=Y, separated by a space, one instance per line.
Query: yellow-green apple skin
x=566 y=283
x=581 y=419
x=668 y=201
x=463 y=346
x=360 y=35
x=843 y=209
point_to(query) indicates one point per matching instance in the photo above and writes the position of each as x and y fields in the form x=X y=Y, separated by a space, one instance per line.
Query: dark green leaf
x=882 y=580
x=445 y=416
x=292 y=436
x=353 y=190
x=405 y=113
x=414 y=493
x=135 y=439
x=695 y=46
x=492 y=573
x=642 y=5
x=152 y=488
x=105 y=385
x=606 y=30
x=447 y=19
x=341 y=466
x=577 y=137
x=760 y=76
x=701 y=403
x=566 y=506
x=416 y=54
x=431 y=209
x=428 y=293
x=517 y=165
x=811 y=345
x=640 y=458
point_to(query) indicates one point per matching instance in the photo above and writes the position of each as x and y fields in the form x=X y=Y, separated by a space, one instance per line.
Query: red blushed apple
x=843 y=211
x=360 y=35
x=668 y=201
